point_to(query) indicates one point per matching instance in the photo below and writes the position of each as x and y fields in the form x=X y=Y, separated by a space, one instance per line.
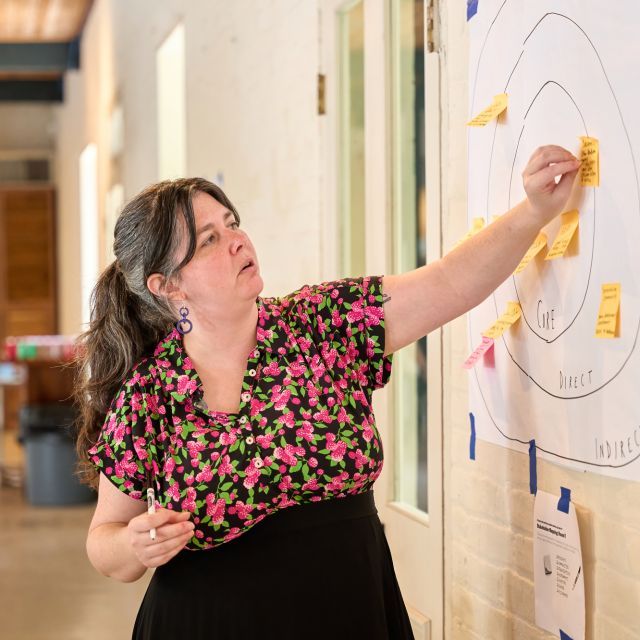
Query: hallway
x=337 y=130
x=48 y=590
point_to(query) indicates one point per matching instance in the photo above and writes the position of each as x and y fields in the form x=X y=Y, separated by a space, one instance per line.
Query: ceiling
x=39 y=41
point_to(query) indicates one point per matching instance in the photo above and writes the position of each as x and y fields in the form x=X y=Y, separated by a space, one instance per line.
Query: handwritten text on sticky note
x=609 y=312
x=478 y=352
x=498 y=105
x=508 y=318
x=590 y=158
x=538 y=244
x=566 y=232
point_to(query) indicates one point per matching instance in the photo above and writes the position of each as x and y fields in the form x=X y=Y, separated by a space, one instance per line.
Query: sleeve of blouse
x=125 y=447
x=348 y=315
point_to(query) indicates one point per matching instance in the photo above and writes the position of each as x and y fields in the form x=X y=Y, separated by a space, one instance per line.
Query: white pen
x=151 y=508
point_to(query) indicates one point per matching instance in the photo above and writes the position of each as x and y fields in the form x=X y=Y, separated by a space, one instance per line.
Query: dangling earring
x=184 y=312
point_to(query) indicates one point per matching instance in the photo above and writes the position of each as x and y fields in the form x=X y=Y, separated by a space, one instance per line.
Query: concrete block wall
x=488 y=508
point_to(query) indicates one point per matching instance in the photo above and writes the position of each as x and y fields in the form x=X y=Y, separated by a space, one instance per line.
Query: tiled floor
x=48 y=588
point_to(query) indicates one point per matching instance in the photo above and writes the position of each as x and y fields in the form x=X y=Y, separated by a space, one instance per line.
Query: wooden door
x=28 y=300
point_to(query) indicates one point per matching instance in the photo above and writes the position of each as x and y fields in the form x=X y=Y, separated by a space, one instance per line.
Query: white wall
x=251 y=115
x=27 y=125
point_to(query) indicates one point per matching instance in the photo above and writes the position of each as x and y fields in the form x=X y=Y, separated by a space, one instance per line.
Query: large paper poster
x=568 y=73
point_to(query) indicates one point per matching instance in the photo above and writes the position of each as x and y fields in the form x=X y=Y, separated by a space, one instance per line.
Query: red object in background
x=40 y=348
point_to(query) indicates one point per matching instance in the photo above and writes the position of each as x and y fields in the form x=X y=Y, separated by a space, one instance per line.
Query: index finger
x=544 y=156
x=146 y=521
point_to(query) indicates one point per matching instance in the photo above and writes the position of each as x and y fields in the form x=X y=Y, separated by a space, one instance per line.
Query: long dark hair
x=127 y=320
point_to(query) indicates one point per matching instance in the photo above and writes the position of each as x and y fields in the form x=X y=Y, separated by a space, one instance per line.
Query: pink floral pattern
x=305 y=430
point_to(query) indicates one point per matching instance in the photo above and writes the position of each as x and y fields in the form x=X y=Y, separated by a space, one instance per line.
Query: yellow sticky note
x=476 y=226
x=509 y=317
x=538 y=244
x=609 y=313
x=590 y=157
x=498 y=105
x=565 y=235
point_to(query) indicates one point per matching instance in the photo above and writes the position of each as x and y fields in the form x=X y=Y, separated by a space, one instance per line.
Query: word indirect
x=619 y=449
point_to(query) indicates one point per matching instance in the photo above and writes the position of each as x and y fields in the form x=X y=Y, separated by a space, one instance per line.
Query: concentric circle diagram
x=552 y=379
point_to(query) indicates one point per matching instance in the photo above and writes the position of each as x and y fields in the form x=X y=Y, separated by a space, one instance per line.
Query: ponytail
x=117 y=338
x=127 y=320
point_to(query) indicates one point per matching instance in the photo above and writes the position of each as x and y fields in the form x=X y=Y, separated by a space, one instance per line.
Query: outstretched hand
x=546 y=197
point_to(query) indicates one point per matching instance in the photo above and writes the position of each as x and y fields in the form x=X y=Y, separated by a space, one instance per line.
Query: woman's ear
x=161 y=287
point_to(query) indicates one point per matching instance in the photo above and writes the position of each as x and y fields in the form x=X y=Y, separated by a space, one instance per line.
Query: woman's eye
x=235 y=224
x=208 y=240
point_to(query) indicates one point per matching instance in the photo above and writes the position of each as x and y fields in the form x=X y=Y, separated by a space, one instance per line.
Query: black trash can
x=46 y=433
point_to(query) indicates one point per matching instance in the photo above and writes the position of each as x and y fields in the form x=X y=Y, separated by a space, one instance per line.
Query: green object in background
x=26 y=351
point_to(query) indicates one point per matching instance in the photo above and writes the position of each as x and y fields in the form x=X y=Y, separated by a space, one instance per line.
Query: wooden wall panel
x=42 y=20
x=28 y=304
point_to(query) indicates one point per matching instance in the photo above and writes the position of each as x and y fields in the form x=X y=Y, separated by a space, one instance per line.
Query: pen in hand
x=151 y=507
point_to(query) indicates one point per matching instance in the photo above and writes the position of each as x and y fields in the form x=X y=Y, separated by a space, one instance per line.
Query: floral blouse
x=305 y=430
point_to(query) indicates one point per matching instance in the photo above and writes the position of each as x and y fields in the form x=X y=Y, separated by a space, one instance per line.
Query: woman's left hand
x=546 y=198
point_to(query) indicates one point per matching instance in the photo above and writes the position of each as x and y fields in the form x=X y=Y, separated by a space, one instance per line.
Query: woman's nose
x=237 y=242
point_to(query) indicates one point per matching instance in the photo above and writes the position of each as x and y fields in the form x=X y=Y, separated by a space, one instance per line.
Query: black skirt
x=320 y=570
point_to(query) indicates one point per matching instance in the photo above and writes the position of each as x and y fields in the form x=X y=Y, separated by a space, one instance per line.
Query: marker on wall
x=498 y=105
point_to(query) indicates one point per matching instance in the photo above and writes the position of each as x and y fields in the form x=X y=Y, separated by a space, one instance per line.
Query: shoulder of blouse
x=311 y=291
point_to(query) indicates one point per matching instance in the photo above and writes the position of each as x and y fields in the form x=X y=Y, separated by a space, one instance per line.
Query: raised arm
x=423 y=299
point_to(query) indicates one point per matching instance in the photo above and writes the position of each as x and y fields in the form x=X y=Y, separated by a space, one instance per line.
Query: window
x=409 y=241
x=171 y=99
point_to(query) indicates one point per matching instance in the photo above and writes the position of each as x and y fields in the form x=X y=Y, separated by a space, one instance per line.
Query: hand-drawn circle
x=521 y=295
x=624 y=358
x=498 y=309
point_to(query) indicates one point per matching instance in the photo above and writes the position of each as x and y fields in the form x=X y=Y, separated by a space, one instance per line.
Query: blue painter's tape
x=472 y=8
x=565 y=499
x=533 y=470
x=564 y=636
x=472 y=440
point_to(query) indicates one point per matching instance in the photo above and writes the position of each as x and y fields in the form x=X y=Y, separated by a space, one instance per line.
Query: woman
x=251 y=417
